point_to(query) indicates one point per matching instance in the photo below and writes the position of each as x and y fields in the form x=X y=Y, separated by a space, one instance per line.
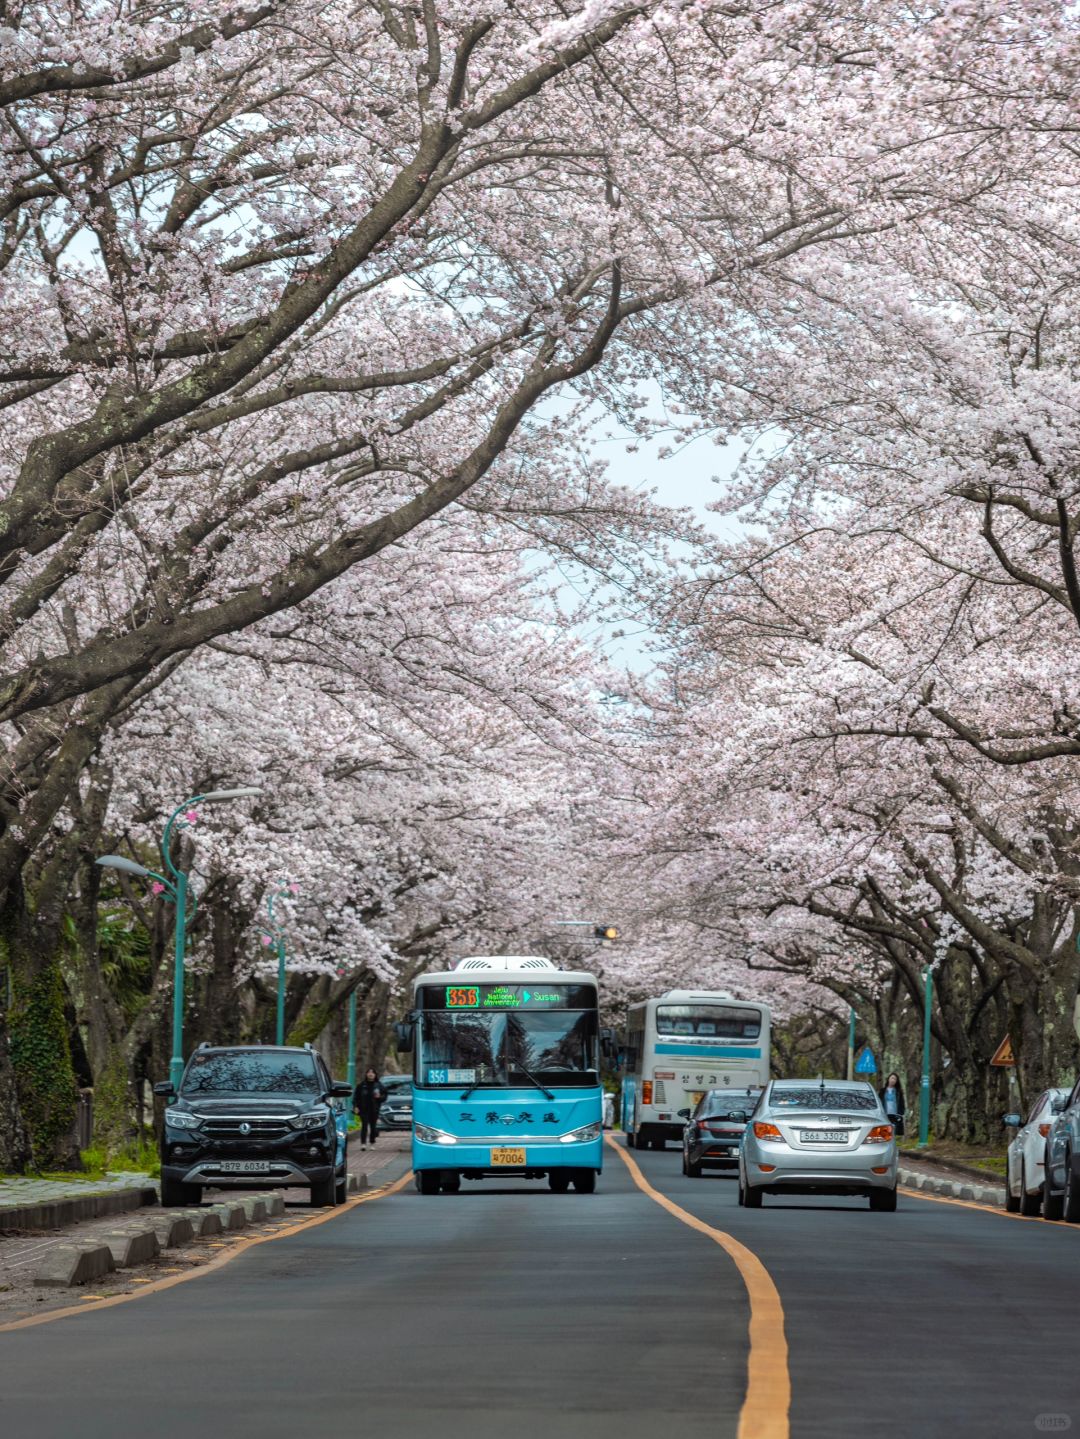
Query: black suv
x=254 y=1116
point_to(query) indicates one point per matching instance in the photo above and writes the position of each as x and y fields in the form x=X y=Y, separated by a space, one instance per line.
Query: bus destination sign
x=508 y=996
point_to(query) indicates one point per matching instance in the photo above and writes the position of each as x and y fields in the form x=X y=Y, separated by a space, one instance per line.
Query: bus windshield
x=493 y=1047
x=708 y=1021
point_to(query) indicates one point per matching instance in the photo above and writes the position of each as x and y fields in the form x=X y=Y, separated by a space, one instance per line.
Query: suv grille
x=260 y=1127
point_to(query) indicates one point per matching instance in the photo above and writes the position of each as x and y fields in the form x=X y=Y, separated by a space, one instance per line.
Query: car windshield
x=500 y=1048
x=823 y=1097
x=247 y=1072
x=717 y=1106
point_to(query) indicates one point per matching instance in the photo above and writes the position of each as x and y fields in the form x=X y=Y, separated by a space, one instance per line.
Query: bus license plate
x=514 y=1157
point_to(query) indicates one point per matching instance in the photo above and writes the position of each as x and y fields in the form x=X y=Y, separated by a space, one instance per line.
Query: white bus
x=681 y=1044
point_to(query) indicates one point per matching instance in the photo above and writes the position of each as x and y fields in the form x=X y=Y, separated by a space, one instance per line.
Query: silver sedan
x=827 y=1136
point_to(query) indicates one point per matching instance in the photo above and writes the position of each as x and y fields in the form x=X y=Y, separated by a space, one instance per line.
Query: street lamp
x=272 y=933
x=176 y=889
x=924 y=1082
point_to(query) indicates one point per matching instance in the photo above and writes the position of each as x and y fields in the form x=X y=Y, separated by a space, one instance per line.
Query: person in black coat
x=892 y=1101
x=367 y=1101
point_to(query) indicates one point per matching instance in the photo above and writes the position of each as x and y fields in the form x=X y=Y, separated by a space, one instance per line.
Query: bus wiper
x=544 y=1091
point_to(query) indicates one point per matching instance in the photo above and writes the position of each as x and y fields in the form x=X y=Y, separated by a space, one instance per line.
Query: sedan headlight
x=427 y=1135
x=181 y=1119
x=582 y=1135
x=310 y=1119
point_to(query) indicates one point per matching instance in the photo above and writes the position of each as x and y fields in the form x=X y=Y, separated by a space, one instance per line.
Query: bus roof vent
x=505 y=961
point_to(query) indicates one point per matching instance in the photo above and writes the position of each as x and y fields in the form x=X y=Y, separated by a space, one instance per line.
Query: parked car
x=1026 y=1154
x=714 y=1130
x=1061 y=1162
x=257 y=1116
x=396 y=1111
x=818 y=1137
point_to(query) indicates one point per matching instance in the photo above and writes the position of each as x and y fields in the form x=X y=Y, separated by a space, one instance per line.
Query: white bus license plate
x=825 y=1136
x=514 y=1157
x=245 y=1166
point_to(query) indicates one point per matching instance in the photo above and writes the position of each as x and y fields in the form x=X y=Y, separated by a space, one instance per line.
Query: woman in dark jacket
x=367 y=1101
x=892 y=1101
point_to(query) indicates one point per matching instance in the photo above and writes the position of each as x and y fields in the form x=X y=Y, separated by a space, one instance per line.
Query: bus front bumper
x=541 y=1157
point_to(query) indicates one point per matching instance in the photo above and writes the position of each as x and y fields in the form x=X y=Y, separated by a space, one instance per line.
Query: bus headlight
x=427 y=1135
x=582 y=1135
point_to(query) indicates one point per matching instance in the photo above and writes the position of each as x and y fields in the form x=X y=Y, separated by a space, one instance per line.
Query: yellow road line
x=218 y=1262
x=766 y=1407
x=989 y=1209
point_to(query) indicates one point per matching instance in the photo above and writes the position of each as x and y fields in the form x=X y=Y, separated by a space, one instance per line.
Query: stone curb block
x=203 y=1221
x=232 y=1216
x=66 y=1265
x=275 y=1204
x=173 y=1230
x=952 y=1188
x=254 y=1210
x=133 y=1246
x=56 y=1213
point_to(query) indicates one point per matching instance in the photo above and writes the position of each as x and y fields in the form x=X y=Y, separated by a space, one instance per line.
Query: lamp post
x=851 y=1043
x=924 y=1083
x=274 y=933
x=176 y=889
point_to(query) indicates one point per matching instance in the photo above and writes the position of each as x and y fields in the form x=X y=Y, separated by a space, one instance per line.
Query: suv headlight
x=582 y=1135
x=427 y=1135
x=181 y=1119
x=311 y=1119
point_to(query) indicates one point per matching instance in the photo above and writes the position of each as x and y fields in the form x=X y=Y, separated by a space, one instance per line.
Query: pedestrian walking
x=367 y=1101
x=892 y=1101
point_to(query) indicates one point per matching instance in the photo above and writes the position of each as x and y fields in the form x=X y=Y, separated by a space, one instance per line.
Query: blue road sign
x=865 y=1064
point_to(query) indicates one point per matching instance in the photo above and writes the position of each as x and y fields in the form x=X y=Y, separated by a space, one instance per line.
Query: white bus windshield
x=492 y=1047
x=707 y=1021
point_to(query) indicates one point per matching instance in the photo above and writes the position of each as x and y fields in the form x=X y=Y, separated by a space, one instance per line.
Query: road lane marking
x=989 y=1209
x=154 y=1286
x=766 y=1407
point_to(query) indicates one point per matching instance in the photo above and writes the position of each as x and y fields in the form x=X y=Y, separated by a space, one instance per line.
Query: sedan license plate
x=245 y=1166
x=515 y=1157
x=825 y=1136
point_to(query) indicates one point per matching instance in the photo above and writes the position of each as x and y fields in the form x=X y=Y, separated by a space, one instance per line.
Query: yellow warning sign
x=1003 y=1055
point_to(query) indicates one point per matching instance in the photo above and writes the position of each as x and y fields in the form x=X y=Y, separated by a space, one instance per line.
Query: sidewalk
x=27 y=1203
x=22 y=1250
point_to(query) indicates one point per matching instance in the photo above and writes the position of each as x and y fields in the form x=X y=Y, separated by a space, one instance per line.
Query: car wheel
x=324 y=1193
x=451 y=1183
x=558 y=1181
x=1028 y=1204
x=1052 y=1203
x=883 y=1201
x=175 y=1195
x=585 y=1181
x=751 y=1197
x=692 y=1168
x=428 y=1181
x=341 y=1187
x=630 y=1142
x=1012 y=1201
x=1070 y=1201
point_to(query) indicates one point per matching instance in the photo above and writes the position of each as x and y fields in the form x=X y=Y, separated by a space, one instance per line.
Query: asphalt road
x=517 y=1313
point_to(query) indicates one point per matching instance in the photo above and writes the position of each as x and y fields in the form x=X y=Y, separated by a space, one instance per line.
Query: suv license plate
x=245 y=1166
x=508 y=1156
x=825 y=1136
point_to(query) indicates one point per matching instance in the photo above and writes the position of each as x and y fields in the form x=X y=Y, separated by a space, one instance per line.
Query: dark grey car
x=1061 y=1175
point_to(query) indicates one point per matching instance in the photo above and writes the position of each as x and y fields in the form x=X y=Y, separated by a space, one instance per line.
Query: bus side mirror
x=684 y=1114
x=403 y=1034
x=607 y=1043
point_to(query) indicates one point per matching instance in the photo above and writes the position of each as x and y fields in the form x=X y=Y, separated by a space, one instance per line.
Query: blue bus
x=680 y=1045
x=506 y=1074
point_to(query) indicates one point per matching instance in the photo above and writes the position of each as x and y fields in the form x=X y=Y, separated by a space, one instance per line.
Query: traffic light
x=606 y=933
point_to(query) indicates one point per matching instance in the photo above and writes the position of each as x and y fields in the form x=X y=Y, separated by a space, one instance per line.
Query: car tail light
x=766 y=1131
x=646 y=1091
x=880 y=1134
x=1044 y=1130
x=766 y=1168
x=879 y=1169
x=703 y=1124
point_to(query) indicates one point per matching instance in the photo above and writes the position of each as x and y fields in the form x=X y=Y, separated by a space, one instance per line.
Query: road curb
x=66 y=1265
x=57 y=1213
x=920 y=1181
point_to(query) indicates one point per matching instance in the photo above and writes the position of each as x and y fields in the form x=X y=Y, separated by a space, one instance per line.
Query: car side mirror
x=339 y=1089
x=1060 y=1104
x=1012 y=1121
x=684 y=1114
x=738 y=1116
x=165 y=1088
x=403 y=1035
